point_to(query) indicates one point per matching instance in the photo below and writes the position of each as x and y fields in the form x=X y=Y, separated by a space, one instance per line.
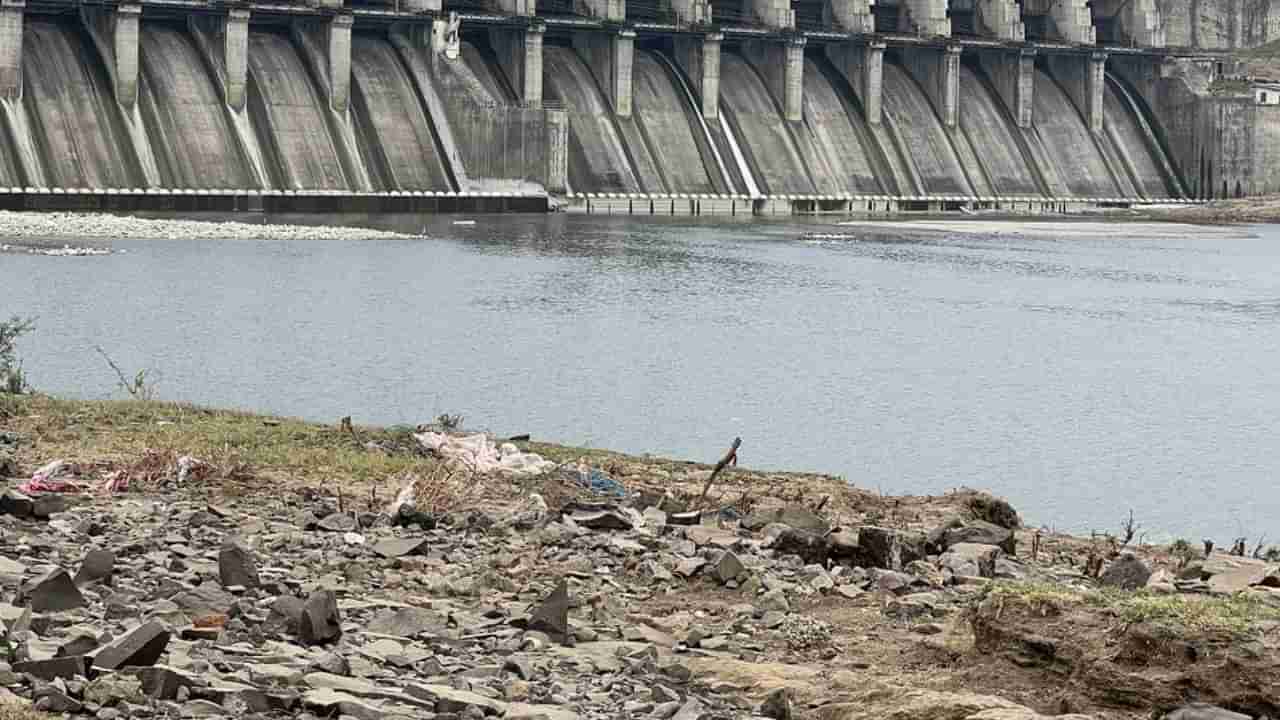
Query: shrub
x=12 y=379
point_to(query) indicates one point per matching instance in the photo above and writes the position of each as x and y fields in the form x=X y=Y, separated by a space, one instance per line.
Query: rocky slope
x=783 y=596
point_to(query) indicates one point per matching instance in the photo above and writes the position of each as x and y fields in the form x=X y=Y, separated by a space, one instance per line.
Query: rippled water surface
x=1080 y=371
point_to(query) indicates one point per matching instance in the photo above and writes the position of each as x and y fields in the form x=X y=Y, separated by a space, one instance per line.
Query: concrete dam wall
x=587 y=98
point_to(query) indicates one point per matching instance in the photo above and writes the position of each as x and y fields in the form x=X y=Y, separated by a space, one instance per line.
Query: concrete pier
x=1074 y=21
x=1014 y=75
x=607 y=10
x=338 y=52
x=700 y=60
x=692 y=12
x=519 y=53
x=850 y=15
x=782 y=65
x=1001 y=19
x=124 y=38
x=863 y=68
x=938 y=72
x=235 y=54
x=610 y=58
x=557 y=172
x=927 y=18
x=775 y=14
x=1084 y=78
x=11 y=12
x=520 y=8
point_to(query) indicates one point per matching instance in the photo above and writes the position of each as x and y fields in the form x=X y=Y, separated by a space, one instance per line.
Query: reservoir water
x=1079 y=370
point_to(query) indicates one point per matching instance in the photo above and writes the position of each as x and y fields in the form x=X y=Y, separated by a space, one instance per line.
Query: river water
x=1078 y=369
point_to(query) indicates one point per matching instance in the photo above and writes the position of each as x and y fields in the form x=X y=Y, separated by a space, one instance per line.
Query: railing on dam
x=837 y=205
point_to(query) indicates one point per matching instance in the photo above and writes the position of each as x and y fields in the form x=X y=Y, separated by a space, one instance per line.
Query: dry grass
x=1235 y=616
x=15 y=711
x=143 y=440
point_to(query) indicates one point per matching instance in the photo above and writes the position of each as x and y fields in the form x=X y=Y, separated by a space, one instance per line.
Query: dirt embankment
x=220 y=564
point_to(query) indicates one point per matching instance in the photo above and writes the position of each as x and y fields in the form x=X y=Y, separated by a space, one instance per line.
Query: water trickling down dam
x=647 y=106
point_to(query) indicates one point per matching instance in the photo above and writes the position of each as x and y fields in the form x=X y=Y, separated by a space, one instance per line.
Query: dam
x=662 y=106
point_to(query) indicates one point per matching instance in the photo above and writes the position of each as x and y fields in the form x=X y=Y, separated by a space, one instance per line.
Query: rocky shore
x=186 y=563
x=59 y=226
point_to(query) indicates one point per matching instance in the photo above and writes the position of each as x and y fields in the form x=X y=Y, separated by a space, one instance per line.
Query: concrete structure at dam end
x=650 y=106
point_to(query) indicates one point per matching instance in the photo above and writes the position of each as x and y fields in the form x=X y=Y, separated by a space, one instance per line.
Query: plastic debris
x=597 y=481
x=55 y=477
x=189 y=468
x=478 y=453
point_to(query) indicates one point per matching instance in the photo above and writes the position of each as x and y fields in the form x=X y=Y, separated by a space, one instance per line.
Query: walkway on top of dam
x=1112 y=27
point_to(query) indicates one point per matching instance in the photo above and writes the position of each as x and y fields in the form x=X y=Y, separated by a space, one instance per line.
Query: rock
x=1162 y=581
x=774 y=600
x=206 y=599
x=971 y=560
x=46 y=505
x=320 y=621
x=602 y=520
x=338 y=523
x=810 y=547
x=332 y=663
x=66 y=668
x=140 y=648
x=11 y=572
x=16 y=504
x=55 y=592
x=795 y=516
x=401 y=547
x=53 y=701
x=729 y=567
x=1204 y=711
x=692 y=709
x=112 y=690
x=889 y=549
x=97 y=566
x=994 y=510
x=164 y=683
x=978 y=532
x=286 y=614
x=407 y=622
x=236 y=566
x=1127 y=572
x=332 y=703
x=552 y=616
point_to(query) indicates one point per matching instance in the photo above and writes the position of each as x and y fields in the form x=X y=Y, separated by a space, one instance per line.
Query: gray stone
x=692 y=709
x=16 y=504
x=602 y=520
x=53 y=701
x=552 y=616
x=1127 y=572
x=11 y=572
x=338 y=522
x=206 y=599
x=320 y=621
x=982 y=533
x=55 y=592
x=286 y=614
x=142 y=647
x=407 y=622
x=774 y=600
x=66 y=668
x=1204 y=711
x=994 y=510
x=729 y=567
x=889 y=549
x=164 y=683
x=97 y=566
x=777 y=705
x=796 y=516
x=236 y=566
x=113 y=689
x=971 y=560
x=46 y=505
x=401 y=547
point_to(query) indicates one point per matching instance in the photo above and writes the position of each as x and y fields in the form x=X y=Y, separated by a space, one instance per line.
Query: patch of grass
x=1040 y=597
x=1237 y=616
x=115 y=434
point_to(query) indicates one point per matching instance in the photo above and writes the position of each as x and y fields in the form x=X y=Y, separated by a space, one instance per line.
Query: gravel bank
x=79 y=226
